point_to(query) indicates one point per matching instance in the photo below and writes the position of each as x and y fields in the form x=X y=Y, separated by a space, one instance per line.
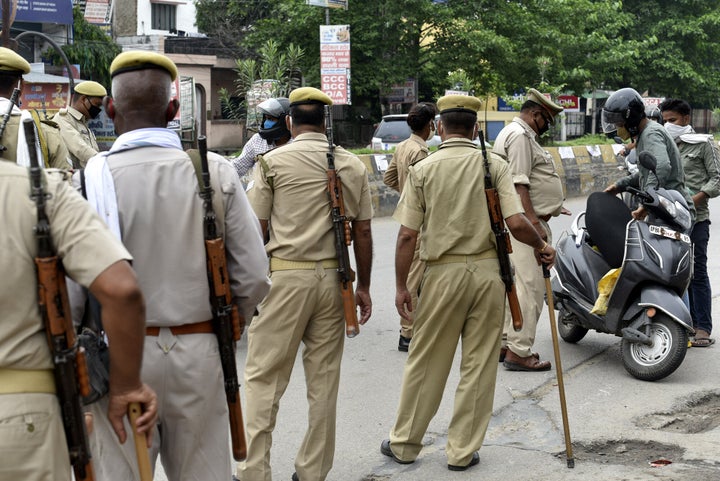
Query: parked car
x=394 y=128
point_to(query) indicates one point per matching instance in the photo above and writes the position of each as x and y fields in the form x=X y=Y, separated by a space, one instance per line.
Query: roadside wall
x=583 y=169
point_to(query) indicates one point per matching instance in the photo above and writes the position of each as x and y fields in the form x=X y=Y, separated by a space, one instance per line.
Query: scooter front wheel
x=663 y=356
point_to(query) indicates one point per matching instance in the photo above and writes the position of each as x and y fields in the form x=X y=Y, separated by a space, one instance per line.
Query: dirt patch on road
x=696 y=414
x=626 y=452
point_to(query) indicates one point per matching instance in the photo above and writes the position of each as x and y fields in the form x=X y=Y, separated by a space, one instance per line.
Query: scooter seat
x=606 y=219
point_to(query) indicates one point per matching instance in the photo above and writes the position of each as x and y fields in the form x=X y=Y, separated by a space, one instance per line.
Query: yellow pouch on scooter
x=605 y=288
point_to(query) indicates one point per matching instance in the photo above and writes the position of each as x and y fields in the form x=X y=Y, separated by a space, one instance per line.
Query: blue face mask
x=269 y=124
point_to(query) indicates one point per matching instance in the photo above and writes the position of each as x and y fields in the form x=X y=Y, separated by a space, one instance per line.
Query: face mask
x=676 y=130
x=269 y=124
x=94 y=111
x=432 y=132
x=623 y=133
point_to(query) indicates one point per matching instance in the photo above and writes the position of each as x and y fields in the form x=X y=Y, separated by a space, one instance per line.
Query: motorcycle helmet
x=623 y=107
x=274 y=111
x=653 y=113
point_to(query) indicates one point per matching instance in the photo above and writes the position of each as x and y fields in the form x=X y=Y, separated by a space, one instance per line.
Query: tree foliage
x=281 y=66
x=92 y=49
x=503 y=46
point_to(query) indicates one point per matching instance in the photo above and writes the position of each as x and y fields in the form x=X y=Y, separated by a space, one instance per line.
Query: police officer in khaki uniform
x=304 y=304
x=32 y=439
x=86 y=104
x=52 y=148
x=444 y=199
x=541 y=193
x=156 y=193
x=421 y=120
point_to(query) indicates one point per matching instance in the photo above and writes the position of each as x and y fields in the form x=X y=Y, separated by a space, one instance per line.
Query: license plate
x=669 y=233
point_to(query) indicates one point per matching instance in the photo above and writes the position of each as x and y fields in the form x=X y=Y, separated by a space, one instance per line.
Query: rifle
x=227 y=321
x=70 y=369
x=343 y=235
x=502 y=241
x=6 y=115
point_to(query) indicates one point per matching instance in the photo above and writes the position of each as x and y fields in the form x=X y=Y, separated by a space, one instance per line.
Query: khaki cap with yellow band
x=142 y=60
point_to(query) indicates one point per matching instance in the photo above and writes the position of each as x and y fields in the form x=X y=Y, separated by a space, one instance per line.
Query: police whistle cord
x=558 y=367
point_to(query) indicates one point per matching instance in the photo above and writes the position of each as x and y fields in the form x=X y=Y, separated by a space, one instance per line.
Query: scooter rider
x=624 y=112
x=273 y=133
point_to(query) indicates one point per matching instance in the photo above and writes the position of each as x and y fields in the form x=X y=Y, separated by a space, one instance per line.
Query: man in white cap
x=461 y=258
x=86 y=104
x=541 y=193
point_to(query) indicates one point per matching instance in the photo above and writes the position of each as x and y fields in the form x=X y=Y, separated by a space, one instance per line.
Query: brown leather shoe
x=513 y=362
x=504 y=350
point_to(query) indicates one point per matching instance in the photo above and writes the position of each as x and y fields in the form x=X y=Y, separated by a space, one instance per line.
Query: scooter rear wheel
x=663 y=357
x=570 y=332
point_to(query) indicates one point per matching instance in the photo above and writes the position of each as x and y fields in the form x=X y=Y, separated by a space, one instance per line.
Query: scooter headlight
x=682 y=216
x=668 y=205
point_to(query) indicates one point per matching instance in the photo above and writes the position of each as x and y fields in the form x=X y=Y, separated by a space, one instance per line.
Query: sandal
x=702 y=339
x=702 y=342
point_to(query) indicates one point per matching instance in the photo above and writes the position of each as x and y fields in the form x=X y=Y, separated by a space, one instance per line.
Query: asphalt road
x=618 y=425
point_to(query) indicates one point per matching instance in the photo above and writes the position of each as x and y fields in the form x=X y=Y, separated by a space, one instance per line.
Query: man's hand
x=565 y=211
x=639 y=213
x=364 y=302
x=403 y=303
x=118 y=408
x=546 y=256
x=612 y=189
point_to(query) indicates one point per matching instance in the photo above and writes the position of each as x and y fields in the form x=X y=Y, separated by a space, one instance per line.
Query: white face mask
x=432 y=132
x=676 y=130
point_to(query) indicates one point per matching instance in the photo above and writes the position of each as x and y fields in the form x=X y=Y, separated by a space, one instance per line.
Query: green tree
x=280 y=66
x=92 y=49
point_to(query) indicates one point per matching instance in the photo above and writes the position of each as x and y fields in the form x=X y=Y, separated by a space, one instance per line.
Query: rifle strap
x=218 y=204
x=41 y=137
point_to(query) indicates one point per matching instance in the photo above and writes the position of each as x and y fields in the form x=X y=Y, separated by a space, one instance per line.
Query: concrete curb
x=582 y=169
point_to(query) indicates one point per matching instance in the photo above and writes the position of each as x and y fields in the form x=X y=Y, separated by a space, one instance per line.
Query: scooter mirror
x=648 y=160
x=618 y=139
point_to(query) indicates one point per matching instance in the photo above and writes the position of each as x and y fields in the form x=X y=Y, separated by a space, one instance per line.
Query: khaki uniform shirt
x=59 y=156
x=531 y=165
x=161 y=222
x=80 y=238
x=79 y=139
x=701 y=163
x=298 y=205
x=444 y=199
x=406 y=153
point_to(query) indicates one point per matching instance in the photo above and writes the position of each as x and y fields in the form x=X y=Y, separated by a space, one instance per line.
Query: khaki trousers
x=302 y=306
x=459 y=301
x=193 y=434
x=413 y=284
x=530 y=286
x=32 y=438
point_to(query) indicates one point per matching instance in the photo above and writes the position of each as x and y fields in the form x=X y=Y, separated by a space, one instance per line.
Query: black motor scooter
x=645 y=306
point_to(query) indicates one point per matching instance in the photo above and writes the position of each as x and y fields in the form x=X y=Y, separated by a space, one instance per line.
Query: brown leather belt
x=204 y=327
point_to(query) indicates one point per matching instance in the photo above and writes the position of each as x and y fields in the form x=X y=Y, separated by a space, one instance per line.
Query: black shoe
x=234 y=478
x=385 y=449
x=295 y=477
x=404 y=343
x=475 y=460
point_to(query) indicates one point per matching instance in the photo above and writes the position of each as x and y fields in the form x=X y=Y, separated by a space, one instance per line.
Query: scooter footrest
x=633 y=335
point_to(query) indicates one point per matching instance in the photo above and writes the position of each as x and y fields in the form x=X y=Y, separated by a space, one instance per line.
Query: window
x=163 y=16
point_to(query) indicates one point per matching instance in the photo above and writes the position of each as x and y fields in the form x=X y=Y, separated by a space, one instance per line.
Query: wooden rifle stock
x=343 y=236
x=70 y=369
x=502 y=241
x=227 y=321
